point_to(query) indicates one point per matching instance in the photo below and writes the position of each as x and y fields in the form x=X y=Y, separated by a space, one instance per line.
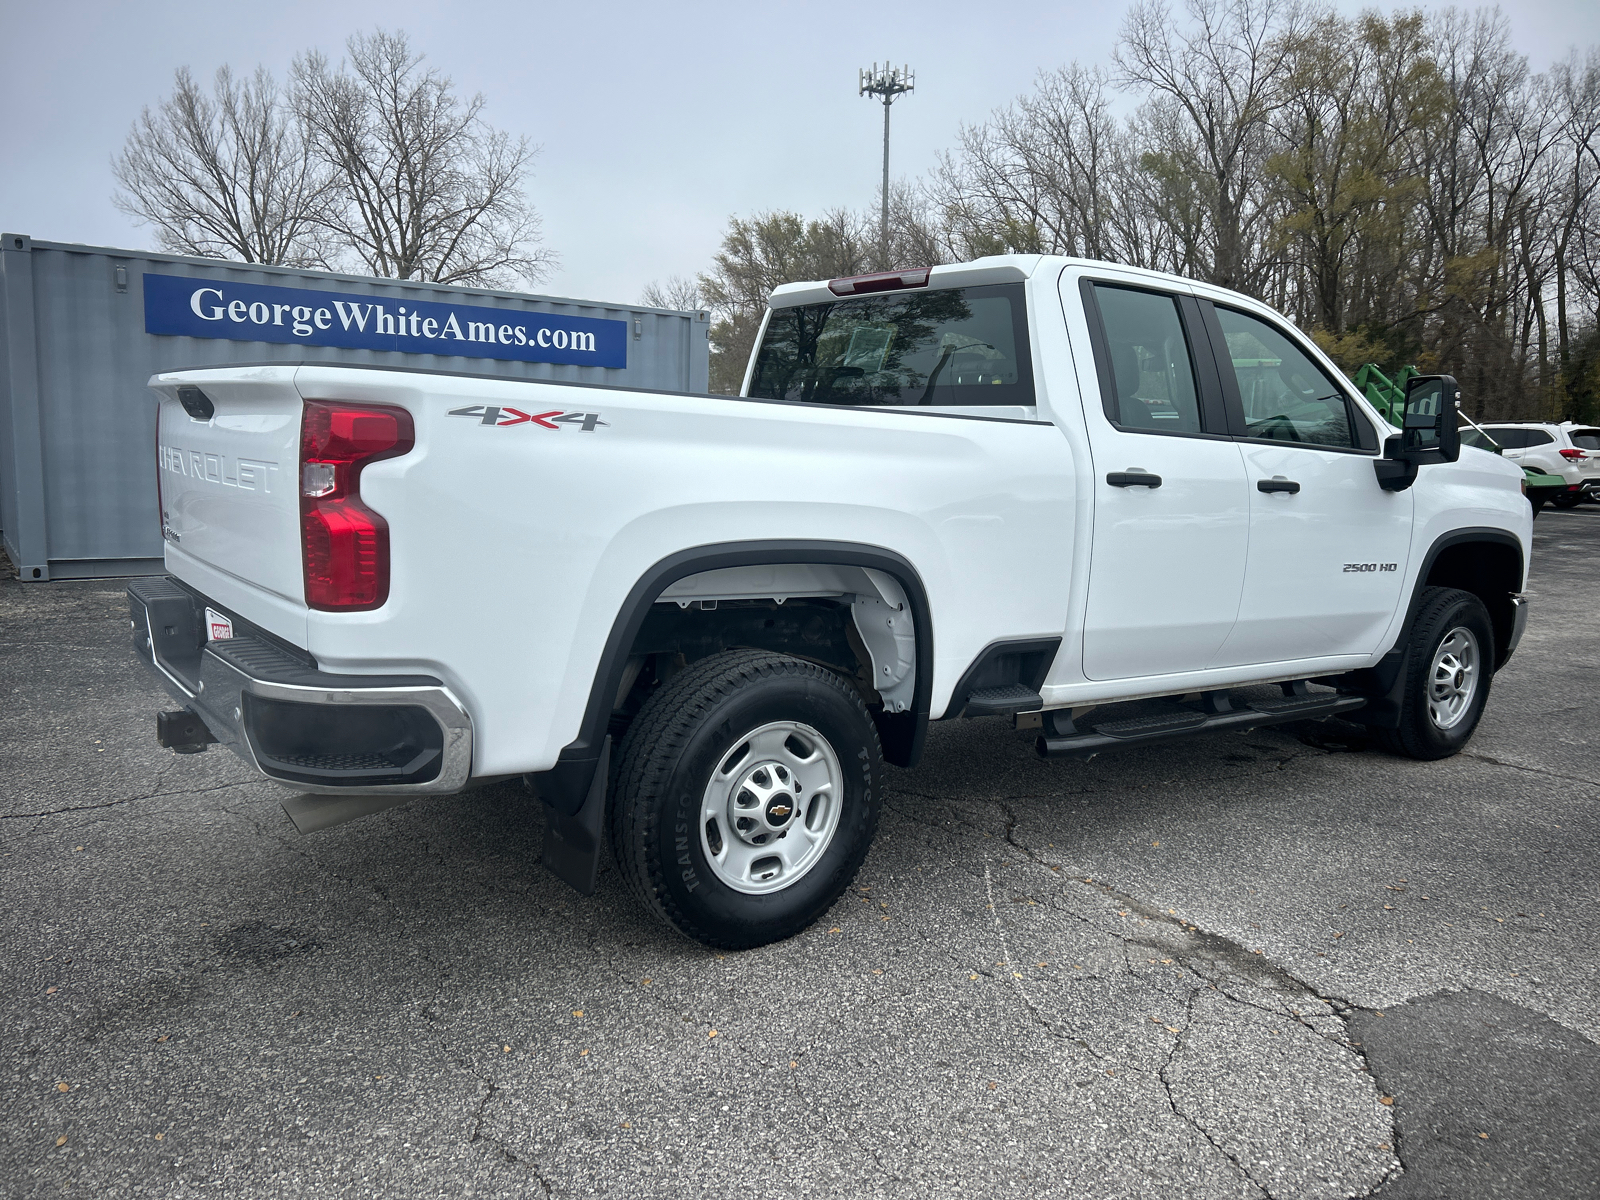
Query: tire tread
x=1410 y=740
x=650 y=750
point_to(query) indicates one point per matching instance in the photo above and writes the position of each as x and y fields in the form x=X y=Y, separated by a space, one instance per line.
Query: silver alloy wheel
x=1453 y=678
x=771 y=807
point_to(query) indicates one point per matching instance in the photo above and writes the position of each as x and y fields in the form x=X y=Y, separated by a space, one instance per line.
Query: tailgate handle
x=196 y=403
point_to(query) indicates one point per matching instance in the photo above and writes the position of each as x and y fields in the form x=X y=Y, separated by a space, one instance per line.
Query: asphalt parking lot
x=1270 y=964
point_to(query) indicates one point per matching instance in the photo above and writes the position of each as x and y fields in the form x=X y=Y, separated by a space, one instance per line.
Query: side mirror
x=1430 y=431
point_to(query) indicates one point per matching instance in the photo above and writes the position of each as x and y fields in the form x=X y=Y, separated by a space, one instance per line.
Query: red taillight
x=344 y=544
x=884 y=281
x=1574 y=455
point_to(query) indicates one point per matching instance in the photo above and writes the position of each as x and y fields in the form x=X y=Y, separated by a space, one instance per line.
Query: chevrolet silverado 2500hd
x=1030 y=487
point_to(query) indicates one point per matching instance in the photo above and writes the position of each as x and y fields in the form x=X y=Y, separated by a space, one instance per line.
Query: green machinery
x=1388 y=397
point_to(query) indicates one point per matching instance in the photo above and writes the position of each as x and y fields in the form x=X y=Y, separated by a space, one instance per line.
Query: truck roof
x=999 y=268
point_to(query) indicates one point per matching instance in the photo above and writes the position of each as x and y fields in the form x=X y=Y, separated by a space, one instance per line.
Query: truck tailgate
x=228 y=450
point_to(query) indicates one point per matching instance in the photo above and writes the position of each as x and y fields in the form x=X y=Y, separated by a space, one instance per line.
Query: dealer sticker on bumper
x=218 y=627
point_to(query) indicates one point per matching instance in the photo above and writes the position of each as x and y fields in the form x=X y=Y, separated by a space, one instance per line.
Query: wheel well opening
x=1492 y=571
x=814 y=628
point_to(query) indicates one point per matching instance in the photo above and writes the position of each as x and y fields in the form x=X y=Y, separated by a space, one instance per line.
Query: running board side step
x=1003 y=701
x=1221 y=712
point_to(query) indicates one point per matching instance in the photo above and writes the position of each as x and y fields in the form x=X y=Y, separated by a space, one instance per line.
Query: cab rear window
x=951 y=347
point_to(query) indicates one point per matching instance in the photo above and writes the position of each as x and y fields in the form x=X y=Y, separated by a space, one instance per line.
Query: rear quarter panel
x=514 y=546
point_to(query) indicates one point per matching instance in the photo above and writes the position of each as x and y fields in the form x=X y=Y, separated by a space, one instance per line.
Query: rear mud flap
x=572 y=842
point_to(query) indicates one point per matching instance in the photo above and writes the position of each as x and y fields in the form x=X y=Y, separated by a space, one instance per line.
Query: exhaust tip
x=311 y=813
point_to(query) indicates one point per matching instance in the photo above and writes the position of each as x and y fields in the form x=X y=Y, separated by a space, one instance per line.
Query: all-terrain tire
x=694 y=726
x=1435 y=674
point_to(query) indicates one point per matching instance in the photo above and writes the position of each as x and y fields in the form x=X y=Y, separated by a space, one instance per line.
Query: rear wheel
x=1567 y=499
x=1449 y=666
x=746 y=796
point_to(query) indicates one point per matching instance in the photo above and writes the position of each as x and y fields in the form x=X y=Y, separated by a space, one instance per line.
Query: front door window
x=1285 y=396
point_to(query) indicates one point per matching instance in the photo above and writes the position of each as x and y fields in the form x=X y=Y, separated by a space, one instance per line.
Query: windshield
x=951 y=347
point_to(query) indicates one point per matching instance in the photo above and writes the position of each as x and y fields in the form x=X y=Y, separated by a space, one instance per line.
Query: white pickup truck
x=1027 y=487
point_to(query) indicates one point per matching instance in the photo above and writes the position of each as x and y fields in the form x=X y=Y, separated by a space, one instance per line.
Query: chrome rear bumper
x=308 y=729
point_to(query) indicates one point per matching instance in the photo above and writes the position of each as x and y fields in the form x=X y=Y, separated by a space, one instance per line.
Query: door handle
x=1133 y=479
x=1277 y=484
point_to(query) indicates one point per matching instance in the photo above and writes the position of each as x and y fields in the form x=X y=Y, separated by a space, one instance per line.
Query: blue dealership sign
x=253 y=312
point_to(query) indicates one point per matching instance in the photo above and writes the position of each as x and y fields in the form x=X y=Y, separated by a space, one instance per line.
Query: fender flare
x=1456 y=537
x=565 y=786
x=1384 y=681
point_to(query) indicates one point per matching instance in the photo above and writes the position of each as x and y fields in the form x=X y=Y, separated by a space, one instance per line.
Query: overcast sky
x=658 y=121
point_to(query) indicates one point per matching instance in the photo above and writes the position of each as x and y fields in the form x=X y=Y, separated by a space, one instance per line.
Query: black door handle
x=1277 y=485
x=1133 y=479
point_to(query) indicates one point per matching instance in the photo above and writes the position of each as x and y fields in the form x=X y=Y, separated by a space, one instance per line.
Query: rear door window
x=1509 y=439
x=1512 y=437
x=1151 y=375
x=950 y=347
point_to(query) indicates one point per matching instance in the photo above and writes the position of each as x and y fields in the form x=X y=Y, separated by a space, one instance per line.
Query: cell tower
x=889 y=83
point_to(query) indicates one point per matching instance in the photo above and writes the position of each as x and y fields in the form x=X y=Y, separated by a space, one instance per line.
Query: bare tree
x=1578 y=89
x=1224 y=75
x=226 y=175
x=1042 y=174
x=1402 y=184
x=677 y=292
x=425 y=187
x=917 y=238
x=1356 y=89
x=762 y=252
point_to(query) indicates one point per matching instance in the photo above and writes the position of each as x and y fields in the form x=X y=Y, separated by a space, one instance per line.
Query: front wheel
x=1449 y=665
x=746 y=796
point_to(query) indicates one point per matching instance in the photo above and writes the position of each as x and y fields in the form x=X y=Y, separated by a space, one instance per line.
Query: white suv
x=1568 y=450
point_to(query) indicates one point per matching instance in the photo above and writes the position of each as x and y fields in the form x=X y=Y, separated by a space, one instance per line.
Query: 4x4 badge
x=501 y=417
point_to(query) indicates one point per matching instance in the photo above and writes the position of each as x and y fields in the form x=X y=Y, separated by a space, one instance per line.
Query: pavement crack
x=1195 y=950
x=499 y=1147
x=483 y=1107
x=1194 y=1123
x=1044 y=1022
x=1500 y=762
x=57 y=812
x=1206 y=945
x=1285 y=1012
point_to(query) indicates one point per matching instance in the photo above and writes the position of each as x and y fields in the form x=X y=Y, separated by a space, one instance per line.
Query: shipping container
x=82 y=329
